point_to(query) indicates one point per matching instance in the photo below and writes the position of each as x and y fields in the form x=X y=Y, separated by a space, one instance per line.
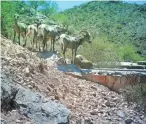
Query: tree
x=8 y=11
x=49 y=8
x=9 y=8
x=61 y=18
x=35 y=4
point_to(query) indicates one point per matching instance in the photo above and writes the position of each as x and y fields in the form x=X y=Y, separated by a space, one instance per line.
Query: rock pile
x=31 y=104
x=89 y=103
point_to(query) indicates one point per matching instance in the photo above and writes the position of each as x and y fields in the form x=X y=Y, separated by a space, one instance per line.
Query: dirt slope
x=90 y=103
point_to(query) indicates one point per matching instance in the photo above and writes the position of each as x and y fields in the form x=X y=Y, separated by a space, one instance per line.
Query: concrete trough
x=113 y=79
x=133 y=66
x=114 y=82
x=141 y=62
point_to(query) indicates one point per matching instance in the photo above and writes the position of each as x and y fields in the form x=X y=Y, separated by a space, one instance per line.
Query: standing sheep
x=73 y=43
x=19 y=28
x=50 y=32
x=32 y=31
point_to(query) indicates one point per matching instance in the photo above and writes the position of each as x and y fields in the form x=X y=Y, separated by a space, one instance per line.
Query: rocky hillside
x=114 y=22
x=88 y=102
x=118 y=30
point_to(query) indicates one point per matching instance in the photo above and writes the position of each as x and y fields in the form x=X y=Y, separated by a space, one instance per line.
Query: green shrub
x=100 y=52
x=128 y=53
x=135 y=94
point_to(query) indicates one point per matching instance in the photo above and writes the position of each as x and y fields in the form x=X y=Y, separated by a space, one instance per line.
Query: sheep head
x=86 y=35
x=16 y=16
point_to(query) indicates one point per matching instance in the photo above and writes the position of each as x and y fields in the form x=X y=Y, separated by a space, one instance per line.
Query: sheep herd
x=42 y=33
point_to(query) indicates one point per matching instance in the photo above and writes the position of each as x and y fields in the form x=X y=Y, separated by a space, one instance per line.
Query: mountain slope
x=117 y=22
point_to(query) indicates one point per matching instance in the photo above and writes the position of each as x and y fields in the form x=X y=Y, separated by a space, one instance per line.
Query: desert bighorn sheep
x=32 y=30
x=73 y=43
x=19 y=28
x=50 y=32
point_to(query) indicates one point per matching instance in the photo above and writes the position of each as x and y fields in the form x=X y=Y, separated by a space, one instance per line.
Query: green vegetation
x=128 y=53
x=28 y=12
x=135 y=94
x=121 y=25
x=118 y=29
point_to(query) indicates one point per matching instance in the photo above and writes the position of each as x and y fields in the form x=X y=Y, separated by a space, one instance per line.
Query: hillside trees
x=121 y=24
x=24 y=8
x=8 y=11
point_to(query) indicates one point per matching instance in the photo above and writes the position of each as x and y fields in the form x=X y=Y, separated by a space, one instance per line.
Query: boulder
x=82 y=62
x=32 y=104
x=8 y=92
x=43 y=112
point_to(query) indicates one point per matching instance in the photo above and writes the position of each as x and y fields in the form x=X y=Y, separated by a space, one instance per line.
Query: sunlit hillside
x=120 y=23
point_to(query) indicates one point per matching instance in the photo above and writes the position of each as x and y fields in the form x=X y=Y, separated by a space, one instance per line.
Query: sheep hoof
x=71 y=61
x=23 y=45
x=64 y=61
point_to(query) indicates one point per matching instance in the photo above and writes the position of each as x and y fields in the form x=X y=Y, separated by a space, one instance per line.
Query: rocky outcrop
x=89 y=102
x=32 y=104
x=42 y=111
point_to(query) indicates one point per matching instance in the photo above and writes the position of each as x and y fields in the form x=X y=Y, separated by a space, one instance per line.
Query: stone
x=128 y=121
x=8 y=92
x=27 y=70
x=121 y=114
x=31 y=104
x=109 y=104
x=94 y=112
x=22 y=55
x=18 y=121
x=3 y=121
x=30 y=87
x=28 y=122
x=82 y=62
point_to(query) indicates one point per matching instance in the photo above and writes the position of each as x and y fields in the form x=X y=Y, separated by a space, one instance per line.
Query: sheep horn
x=84 y=31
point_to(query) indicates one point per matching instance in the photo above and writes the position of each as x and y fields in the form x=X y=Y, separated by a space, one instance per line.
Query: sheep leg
x=33 y=42
x=19 y=38
x=44 y=42
x=36 y=44
x=72 y=56
x=61 y=47
x=39 y=47
x=14 y=36
x=75 y=52
x=64 y=50
x=53 y=44
x=45 y=45
x=24 y=39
